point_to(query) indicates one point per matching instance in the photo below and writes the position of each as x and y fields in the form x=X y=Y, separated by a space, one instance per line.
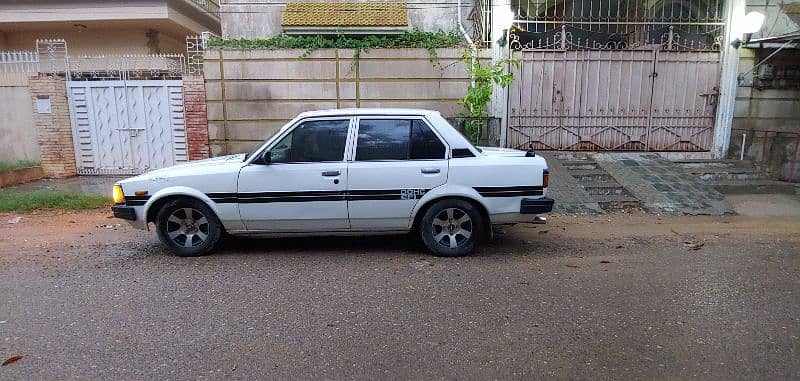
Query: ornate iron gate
x=615 y=74
x=614 y=100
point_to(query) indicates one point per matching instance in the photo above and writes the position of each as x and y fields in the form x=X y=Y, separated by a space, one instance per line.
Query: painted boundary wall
x=18 y=139
x=252 y=93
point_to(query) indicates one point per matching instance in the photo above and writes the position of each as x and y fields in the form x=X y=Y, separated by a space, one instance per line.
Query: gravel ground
x=620 y=296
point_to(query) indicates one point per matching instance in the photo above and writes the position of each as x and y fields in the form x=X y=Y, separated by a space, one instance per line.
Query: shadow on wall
x=778 y=152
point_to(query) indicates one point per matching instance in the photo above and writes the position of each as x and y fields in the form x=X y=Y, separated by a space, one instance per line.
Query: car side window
x=424 y=143
x=397 y=139
x=313 y=141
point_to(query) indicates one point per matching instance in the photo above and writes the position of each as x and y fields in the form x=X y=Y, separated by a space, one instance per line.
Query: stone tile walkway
x=663 y=186
x=564 y=188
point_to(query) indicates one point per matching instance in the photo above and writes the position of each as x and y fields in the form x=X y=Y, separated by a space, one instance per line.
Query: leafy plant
x=479 y=92
x=412 y=39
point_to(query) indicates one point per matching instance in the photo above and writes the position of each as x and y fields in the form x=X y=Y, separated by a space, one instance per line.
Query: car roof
x=367 y=111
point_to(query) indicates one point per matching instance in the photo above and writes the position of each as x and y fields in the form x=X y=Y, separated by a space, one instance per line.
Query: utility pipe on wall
x=466 y=35
x=744 y=139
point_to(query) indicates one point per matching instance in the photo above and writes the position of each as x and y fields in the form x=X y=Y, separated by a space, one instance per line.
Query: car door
x=395 y=161
x=302 y=186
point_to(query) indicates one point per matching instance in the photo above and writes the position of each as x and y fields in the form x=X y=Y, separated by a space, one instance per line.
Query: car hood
x=497 y=151
x=193 y=167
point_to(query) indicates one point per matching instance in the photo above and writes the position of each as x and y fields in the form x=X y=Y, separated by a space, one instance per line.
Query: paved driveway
x=612 y=296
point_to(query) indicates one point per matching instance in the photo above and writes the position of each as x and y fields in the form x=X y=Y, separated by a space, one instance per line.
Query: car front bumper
x=536 y=205
x=124 y=212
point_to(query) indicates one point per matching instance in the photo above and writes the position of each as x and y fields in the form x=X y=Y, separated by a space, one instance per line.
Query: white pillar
x=498 y=107
x=734 y=12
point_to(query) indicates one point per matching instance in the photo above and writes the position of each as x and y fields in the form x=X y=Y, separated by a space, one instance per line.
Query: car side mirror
x=264 y=159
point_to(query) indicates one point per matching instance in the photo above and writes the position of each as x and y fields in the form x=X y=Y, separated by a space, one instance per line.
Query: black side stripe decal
x=353 y=195
x=510 y=191
x=360 y=195
x=309 y=196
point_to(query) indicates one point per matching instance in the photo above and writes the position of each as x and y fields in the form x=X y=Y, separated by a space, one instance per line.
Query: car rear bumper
x=536 y=205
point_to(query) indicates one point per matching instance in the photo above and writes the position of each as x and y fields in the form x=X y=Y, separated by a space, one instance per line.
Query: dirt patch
x=39 y=236
x=766 y=205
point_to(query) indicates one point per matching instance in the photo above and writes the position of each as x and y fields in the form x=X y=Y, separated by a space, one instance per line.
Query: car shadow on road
x=389 y=245
x=320 y=245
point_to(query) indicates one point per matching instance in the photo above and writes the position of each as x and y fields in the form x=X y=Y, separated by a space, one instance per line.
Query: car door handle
x=331 y=173
x=430 y=171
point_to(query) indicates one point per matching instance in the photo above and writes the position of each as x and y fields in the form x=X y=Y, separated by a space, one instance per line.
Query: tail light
x=545 y=179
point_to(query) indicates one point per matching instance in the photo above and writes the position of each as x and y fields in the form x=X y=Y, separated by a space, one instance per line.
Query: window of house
x=397 y=139
x=313 y=141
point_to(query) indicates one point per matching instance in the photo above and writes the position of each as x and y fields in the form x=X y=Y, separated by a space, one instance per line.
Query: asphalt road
x=582 y=298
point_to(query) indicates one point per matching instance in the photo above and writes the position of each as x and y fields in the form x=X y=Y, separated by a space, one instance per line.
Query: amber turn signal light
x=117 y=195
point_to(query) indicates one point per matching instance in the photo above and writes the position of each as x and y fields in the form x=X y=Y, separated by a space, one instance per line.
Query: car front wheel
x=451 y=228
x=188 y=227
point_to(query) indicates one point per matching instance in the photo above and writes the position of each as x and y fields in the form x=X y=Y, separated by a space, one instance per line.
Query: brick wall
x=54 y=130
x=194 y=105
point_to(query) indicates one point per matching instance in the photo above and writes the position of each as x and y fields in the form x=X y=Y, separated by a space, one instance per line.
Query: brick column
x=194 y=106
x=54 y=130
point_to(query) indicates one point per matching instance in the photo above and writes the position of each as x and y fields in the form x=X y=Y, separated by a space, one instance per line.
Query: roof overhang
x=791 y=40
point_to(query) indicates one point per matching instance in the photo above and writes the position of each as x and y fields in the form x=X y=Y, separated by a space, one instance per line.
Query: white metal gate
x=613 y=100
x=127 y=126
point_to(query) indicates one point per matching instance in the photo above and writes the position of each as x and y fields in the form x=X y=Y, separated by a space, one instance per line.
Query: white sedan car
x=343 y=172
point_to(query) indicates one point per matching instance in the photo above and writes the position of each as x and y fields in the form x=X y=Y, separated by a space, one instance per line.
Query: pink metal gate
x=629 y=100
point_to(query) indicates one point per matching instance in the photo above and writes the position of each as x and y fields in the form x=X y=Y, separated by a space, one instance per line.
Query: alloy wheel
x=187 y=227
x=452 y=227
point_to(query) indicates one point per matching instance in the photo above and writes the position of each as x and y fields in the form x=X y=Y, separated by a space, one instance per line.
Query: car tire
x=188 y=227
x=451 y=228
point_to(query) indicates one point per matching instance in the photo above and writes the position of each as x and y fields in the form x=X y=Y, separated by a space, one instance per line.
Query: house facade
x=266 y=18
x=107 y=27
x=101 y=87
x=766 y=121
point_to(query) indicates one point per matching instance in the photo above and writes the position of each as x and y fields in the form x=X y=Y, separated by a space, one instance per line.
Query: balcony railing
x=209 y=5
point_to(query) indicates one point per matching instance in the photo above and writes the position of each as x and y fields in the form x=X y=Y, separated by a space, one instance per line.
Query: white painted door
x=396 y=161
x=127 y=127
x=303 y=187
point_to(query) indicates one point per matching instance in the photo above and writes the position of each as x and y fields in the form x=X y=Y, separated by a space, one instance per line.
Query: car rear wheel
x=188 y=227
x=451 y=228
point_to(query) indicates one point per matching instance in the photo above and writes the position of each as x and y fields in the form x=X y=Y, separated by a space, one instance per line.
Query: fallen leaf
x=12 y=360
x=573 y=266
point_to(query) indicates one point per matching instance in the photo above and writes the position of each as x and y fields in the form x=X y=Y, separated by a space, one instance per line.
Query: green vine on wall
x=479 y=92
x=429 y=41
